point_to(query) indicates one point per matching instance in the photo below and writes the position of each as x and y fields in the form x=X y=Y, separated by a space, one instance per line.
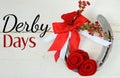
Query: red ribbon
x=63 y=29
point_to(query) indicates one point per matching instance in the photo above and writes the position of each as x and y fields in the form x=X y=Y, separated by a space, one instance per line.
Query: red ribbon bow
x=63 y=29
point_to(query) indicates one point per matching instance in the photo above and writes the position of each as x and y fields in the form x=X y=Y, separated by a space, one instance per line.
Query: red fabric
x=74 y=41
x=68 y=17
x=74 y=60
x=80 y=60
x=87 y=68
x=56 y=55
x=59 y=42
x=63 y=28
x=84 y=54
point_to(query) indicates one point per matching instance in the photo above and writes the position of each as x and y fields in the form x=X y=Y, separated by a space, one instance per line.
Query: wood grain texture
x=38 y=62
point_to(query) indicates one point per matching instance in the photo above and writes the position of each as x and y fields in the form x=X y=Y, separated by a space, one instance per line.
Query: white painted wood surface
x=38 y=62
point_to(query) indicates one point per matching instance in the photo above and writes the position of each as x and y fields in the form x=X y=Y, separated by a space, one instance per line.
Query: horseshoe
x=105 y=50
x=78 y=64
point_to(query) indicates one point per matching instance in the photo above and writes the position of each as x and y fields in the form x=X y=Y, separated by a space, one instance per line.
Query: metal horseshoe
x=105 y=50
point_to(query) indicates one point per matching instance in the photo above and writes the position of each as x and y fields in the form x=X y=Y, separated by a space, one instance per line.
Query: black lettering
x=6 y=18
x=35 y=25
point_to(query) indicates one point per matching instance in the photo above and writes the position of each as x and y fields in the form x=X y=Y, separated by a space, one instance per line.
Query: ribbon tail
x=74 y=41
x=57 y=55
x=59 y=42
x=65 y=47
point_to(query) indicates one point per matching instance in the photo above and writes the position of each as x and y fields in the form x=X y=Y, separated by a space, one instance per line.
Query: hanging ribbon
x=62 y=30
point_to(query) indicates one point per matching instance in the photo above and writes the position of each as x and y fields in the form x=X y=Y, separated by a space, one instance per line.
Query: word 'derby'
x=11 y=23
x=23 y=26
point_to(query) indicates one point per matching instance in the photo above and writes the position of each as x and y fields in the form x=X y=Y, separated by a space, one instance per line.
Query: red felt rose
x=74 y=60
x=87 y=68
x=84 y=54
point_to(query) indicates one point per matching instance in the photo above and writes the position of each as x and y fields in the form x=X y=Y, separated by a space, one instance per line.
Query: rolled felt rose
x=87 y=68
x=84 y=54
x=74 y=60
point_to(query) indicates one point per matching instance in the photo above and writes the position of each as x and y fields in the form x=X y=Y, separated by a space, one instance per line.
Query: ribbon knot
x=62 y=30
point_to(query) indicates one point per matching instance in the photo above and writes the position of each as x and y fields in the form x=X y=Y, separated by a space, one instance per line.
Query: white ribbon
x=96 y=39
x=65 y=47
x=85 y=33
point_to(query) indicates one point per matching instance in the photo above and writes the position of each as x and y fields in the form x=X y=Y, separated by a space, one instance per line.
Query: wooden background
x=38 y=62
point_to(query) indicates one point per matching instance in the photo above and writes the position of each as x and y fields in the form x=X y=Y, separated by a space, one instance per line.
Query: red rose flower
x=87 y=68
x=84 y=54
x=74 y=60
